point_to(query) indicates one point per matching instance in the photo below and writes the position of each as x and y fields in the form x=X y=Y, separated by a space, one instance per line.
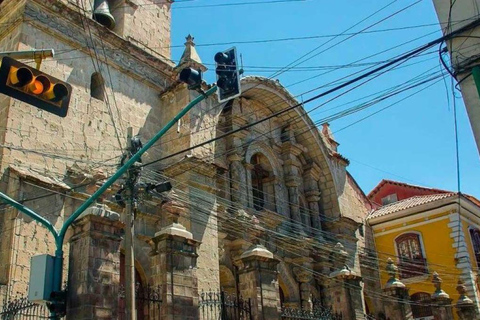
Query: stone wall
x=42 y=147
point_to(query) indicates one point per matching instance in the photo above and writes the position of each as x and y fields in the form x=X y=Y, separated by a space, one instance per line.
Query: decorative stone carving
x=393 y=282
x=465 y=306
x=462 y=291
x=437 y=283
x=441 y=300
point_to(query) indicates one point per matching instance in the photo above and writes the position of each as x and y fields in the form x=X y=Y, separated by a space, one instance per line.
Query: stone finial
x=392 y=269
x=328 y=137
x=190 y=57
x=340 y=256
x=462 y=291
x=257 y=251
x=437 y=283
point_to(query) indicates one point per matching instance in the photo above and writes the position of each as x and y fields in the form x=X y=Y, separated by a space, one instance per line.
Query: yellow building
x=427 y=230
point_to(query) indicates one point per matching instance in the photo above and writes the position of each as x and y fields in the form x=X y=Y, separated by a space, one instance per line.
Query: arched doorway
x=142 y=308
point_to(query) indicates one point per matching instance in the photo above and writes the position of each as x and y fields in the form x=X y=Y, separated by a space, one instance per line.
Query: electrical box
x=41 y=278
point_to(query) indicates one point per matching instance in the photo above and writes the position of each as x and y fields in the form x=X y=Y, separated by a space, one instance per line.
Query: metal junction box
x=41 y=278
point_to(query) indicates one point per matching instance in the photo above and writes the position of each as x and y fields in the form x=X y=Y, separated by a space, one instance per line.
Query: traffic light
x=191 y=77
x=58 y=303
x=228 y=76
x=32 y=86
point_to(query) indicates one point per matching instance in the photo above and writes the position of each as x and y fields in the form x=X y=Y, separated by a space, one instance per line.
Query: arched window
x=412 y=263
x=263 y=190
x=421 y=305
x=97 y=87
x=475 y=235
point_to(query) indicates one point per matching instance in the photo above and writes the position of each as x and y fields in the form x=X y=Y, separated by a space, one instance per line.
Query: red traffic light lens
x=39 y=85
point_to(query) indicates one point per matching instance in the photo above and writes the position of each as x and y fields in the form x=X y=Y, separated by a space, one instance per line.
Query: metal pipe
x=30 y=54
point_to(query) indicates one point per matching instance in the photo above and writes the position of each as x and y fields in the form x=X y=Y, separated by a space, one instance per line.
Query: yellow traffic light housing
x=30 y=85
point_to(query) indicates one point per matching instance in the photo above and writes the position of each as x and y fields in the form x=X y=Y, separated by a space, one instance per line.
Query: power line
x=341 y=86
x=237 y=4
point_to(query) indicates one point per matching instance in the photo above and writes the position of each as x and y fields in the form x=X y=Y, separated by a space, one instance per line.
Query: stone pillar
x=304 y=276
x=313 y=198
x=238 y=181
x=94 y=265
x=174 y=259
x=397 y=302
x=258 y=282
x=294 y=199
x=248 y=169
x=345 y=287
x=465 y=306
x=442 y=304
x=311 y=176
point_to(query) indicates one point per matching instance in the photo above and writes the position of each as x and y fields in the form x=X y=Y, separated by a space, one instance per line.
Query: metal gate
x=222 y=306
x=148 y=302
x=22 y=309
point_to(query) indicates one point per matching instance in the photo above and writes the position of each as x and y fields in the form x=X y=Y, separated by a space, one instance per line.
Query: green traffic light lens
x=60 y=91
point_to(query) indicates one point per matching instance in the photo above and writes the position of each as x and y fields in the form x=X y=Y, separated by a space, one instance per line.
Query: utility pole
x=131 y=178
x=59 y=235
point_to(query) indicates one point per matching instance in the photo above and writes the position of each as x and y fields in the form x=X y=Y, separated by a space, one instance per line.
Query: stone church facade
x=268 y=213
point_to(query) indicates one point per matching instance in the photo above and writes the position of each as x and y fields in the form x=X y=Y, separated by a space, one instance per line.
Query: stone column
x=248 y=169
x=293 y=197
x=238 y=181
x=345 y=287
x=304 y=276
x=94 y=265
x=465 y=306
x=311 y=176
x=442 y=304
x=174 y=259
x=397 y=305
x=313 y=198
x=259 y=283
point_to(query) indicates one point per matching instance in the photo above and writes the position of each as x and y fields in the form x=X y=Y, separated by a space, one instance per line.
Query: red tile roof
x=408 y=203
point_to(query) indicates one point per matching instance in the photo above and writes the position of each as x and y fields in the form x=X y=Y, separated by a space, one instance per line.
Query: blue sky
x=412 y=141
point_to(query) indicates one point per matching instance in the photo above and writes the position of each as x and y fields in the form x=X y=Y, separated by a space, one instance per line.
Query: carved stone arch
x=276 y=98
x=142 y=259
x=227 y=280
x=263 y=148
x=278 y=184
x=141 y=284
x=288 y=284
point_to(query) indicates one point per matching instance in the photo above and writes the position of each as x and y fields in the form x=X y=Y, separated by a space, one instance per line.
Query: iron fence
x=22 y=309
x=148 y=302
x=223 y=306
x=318 y=313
